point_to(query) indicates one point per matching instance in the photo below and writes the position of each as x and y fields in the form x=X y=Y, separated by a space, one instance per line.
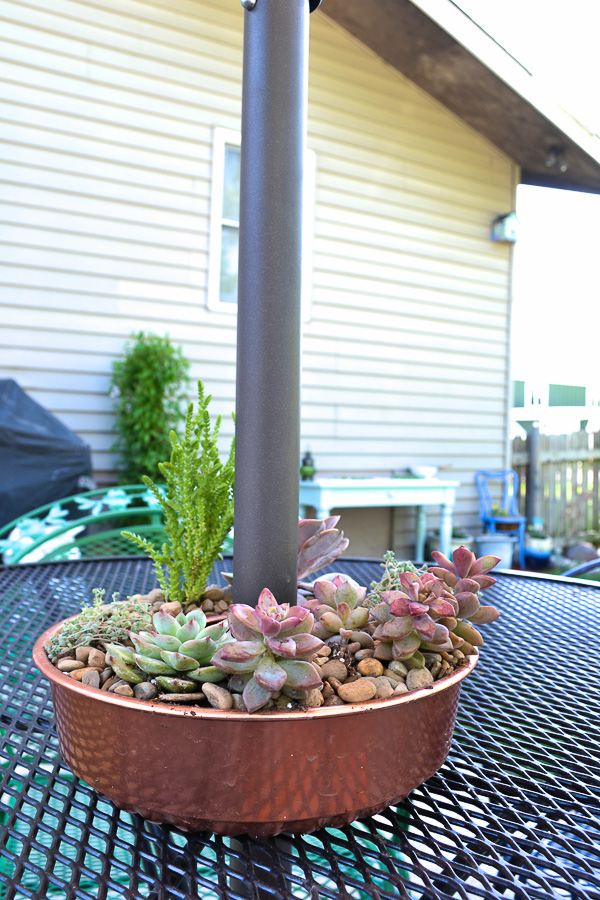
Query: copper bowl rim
x=40 y=659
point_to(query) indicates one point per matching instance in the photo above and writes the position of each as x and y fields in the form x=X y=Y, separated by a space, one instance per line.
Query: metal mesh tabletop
x=512 y=814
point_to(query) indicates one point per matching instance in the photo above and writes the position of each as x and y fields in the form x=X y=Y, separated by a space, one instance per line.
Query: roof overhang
x=446 y=53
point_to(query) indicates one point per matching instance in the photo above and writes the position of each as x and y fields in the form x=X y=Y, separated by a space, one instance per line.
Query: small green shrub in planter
x=149 y=386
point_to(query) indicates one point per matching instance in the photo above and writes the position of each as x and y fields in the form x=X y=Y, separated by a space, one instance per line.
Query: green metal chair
x=84 y=525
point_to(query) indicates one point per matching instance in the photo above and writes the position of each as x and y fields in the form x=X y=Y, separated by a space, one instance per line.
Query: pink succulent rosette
x=272 y=650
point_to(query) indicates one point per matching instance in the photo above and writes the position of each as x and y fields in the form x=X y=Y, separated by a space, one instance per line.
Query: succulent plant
x=319 y=543
x=180 y=646
x=99 y=623
x=272 y=650
x=197 y=506
x=409 y=618
x=467 y=576
x=337 y=609
x=390 y=580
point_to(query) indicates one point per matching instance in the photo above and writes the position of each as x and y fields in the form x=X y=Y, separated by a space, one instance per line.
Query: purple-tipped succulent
x=416 y=616
x=272 y=650
x=337 y=609
x=466 y=576
x=319 y=543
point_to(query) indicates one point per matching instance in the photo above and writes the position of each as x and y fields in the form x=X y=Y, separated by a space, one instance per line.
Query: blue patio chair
x=508 y=482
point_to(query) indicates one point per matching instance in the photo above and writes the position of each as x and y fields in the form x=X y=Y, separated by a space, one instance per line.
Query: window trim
x=222 y=137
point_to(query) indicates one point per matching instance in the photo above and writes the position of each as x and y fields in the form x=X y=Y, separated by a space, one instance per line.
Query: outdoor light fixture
x=250 y=4
x=555 y=159
x=505 y=228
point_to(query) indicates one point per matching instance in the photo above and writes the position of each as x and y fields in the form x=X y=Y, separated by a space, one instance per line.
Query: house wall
x=105 y=183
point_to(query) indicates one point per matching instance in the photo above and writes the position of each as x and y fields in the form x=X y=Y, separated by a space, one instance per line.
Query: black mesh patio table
x=512 y=814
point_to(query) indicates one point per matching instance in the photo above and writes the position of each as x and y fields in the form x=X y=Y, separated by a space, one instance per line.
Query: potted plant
x=538 y=545
x=500 y=512
x=284 y=718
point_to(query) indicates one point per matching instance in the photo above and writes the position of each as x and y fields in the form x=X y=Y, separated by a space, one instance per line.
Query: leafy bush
x=149 y=385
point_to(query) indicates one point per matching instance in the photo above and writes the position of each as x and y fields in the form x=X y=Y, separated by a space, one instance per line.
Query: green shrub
x=149 y=385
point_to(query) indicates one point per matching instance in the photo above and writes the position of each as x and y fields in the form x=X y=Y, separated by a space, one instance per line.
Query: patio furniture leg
x=420 y=534
x=446 y=529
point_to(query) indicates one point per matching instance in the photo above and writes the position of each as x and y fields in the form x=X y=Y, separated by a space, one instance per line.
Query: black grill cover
x=41 y=460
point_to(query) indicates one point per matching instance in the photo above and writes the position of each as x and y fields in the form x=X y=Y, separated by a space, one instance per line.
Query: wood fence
x=560 y=480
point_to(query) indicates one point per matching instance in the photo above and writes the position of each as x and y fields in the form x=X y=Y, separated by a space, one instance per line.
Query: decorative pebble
x=105 y=674
x=314 y=699
x=69 y=665
x=125 y=690
x=327 y=691
x=325 y=651
x=370 y=667
x=221 y=606
x=238 y=702
x=400 y=689
x=79 y=673
x=335 y=668
x=116 y=683
x=109 y=682
x=357 y=692
x=213 y=593
x=352 y=678
x=156 y=594
x=418 y=678
x=367 y=653
x=145 y=691
x=218 y=697
x=91 y=678
x=393 y=676
x=354 y=647
x=445 y=669
x=82 y=653
x=398 y=667
x=207 y=606
x=96 y=658
x=173 y=608
x=458 y=654
x=435 y=669
x=334 y=700
x=385 y=688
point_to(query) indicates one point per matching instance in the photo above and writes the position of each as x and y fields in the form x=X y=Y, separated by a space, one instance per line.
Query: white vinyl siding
x=107 y=117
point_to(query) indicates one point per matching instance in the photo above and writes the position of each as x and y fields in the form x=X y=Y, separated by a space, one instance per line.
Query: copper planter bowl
x=261 y=774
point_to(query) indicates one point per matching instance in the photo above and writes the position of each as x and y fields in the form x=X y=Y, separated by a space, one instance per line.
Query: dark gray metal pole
x=533 y=495
x=275 y=84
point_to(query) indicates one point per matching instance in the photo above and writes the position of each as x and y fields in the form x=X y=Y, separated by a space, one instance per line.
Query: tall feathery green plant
x=197 y=505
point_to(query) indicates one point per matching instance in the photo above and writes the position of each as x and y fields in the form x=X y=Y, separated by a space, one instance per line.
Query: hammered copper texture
x=232 y=773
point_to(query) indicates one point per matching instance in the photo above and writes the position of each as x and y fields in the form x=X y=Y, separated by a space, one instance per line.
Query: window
x=225 y=224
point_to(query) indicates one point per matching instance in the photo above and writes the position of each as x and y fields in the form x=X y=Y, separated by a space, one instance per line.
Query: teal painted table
x=325 y=494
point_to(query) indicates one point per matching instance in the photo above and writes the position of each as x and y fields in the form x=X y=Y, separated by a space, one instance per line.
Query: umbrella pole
x=275 y=82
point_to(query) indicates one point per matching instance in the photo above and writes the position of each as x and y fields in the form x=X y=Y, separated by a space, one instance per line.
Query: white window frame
x=223 y=137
